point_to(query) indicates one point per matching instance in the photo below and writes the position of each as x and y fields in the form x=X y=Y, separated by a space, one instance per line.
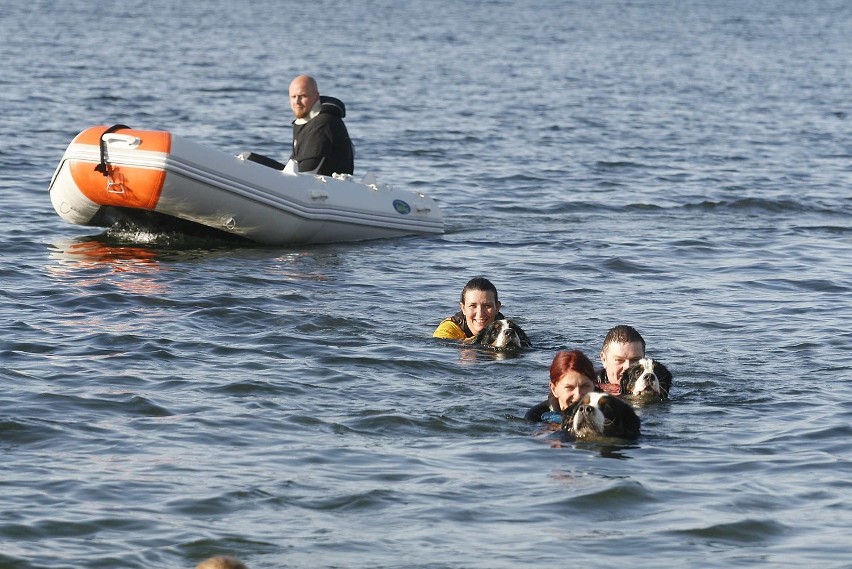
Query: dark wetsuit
x=547 y=411
x=545 y=407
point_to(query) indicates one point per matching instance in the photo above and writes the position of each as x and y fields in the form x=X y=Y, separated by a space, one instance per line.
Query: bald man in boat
x=321 y=143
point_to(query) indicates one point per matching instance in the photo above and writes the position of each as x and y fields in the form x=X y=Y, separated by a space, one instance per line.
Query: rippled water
x=681 y=167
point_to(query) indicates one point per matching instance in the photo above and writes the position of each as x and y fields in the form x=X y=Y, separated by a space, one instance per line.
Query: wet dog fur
x=502 y=334
x=601 y=415
x=647 y=379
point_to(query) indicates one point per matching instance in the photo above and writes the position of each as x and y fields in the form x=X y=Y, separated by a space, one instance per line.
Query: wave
x=781 y=205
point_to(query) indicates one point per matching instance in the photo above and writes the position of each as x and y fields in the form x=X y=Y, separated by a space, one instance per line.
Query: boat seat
x=261 y=159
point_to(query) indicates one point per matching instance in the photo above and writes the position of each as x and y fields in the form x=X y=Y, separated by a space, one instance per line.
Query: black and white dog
x=648 y=379
x=600 y=415
x=501 y=334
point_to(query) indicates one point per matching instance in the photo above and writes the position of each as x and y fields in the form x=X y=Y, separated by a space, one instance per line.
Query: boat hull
x=160 y=172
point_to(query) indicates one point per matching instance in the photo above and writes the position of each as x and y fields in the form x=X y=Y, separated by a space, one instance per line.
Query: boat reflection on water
x=132 y=246
x=133 y=251
x=90 y=261
x=94 y=252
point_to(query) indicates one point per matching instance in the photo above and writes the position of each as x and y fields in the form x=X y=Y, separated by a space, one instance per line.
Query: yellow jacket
x=449 y=330
x=455 y=327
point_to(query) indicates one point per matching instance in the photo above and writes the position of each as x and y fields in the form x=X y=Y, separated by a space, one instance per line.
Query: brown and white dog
x=501 y=335
x=601 y=415
x=647 y=379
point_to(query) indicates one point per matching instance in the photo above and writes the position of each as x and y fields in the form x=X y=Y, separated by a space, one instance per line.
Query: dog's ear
x=625 y=423
x=664 y=376
x=627 y=427
x=662 y=373
x=522 y=336
x=479 y=337
x=624 y=380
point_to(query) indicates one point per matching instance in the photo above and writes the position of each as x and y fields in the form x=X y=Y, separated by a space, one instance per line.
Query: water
x=681 y=167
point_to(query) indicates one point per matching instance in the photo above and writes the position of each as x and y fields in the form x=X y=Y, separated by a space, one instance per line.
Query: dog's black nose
x=586 y=410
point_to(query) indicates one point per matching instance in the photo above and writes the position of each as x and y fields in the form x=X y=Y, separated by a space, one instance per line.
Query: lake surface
x=682 y=167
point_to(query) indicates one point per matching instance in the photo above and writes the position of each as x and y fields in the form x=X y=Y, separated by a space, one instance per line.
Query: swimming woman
x=572 y=376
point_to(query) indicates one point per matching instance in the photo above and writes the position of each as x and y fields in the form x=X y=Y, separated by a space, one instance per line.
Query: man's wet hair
x=622 y=334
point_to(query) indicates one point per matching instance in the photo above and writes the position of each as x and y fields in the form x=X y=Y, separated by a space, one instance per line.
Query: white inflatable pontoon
x=113 y=173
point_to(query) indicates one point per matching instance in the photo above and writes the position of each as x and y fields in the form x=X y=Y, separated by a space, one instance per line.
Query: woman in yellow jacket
x=478 y=308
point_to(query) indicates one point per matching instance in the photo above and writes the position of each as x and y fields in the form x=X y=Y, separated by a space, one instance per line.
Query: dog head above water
x=501 y=334
x=601 y=415
x=648 y=379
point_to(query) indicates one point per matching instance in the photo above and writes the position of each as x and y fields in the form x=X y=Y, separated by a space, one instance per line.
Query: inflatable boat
x=109 y=174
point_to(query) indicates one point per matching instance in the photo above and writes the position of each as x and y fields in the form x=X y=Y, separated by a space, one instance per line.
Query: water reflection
x=475 y=354
x=141 y=255
x=101 y=260
x=93 y=252
x=612 y=448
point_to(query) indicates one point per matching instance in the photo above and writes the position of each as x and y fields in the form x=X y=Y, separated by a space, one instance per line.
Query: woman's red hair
x=573 y=360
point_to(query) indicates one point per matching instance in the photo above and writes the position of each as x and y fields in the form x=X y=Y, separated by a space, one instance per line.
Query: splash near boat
x=113 y=174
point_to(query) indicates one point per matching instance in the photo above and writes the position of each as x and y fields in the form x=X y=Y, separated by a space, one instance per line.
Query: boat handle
x=127 y=139
x=319 y=195
x=423 y=208
x=114 y=187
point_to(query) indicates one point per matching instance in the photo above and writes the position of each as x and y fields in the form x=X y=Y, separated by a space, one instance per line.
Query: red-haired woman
x=572 y=376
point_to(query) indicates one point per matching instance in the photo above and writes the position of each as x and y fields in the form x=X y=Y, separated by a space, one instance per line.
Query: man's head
x=622 y=347
x=479 y=304
x=304 y=94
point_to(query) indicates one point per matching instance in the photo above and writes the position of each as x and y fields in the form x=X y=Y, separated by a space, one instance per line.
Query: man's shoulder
x=321 y=125
x=326 y=119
